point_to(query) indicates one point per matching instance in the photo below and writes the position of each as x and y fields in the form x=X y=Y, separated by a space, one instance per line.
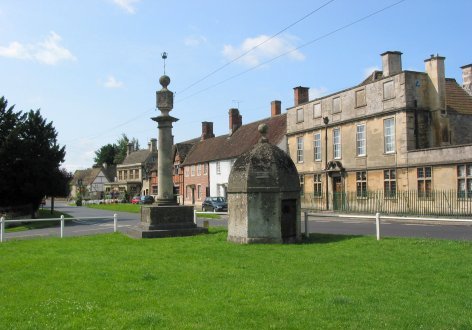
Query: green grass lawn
x=203 y=282
x=136 y=208
x=43 y=214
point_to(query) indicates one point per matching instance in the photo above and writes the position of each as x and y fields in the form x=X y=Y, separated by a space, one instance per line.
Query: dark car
x=146 y=199
x=215 y=204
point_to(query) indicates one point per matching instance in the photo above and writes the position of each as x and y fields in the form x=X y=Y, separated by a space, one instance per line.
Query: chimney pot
x=130 y=148
x=235 y=120
x=207 y=130
x=275 y=108
x=300 y=95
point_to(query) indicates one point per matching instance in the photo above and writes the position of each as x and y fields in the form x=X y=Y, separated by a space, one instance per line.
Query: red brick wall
x=192 y=182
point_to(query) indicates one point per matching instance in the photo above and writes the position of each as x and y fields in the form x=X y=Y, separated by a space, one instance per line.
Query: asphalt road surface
x=316 y=224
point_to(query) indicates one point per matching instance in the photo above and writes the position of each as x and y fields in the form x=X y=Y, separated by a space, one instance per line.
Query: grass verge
x=204 y=282
x=120 y=207
x=43 y=214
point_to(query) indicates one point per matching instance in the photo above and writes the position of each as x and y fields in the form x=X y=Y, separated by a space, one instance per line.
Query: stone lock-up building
x=399 y=142
x=264 y=196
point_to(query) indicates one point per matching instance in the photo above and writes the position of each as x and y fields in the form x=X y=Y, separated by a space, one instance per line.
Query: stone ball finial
x=263 y=129
x=164 y=81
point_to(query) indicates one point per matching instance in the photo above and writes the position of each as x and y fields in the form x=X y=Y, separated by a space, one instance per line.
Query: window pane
x=360 y=140
x=420 y=172
x=386 y=175
x=469 y=170
x=427 y=172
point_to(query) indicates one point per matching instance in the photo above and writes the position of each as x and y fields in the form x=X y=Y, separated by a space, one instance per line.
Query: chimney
x=152 y=145
x=467 y=78
x=300 y=95
x=275 y=108
x=130 y=149
x=436 y=73
x=391 y=63
x=235 y=120
x=207 y=130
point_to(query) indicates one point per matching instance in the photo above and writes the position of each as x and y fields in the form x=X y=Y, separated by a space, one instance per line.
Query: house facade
x=397 y=132
x=91 y=183
x=133 y=176
x=208 y=164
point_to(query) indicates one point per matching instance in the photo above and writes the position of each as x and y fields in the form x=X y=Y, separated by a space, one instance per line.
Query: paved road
x=316 y=224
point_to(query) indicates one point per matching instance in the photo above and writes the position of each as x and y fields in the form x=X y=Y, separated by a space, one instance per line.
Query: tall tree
x=106 y=155
x=30 y=156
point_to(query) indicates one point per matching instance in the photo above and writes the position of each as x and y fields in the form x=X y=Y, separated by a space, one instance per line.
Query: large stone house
x=90 y=183
x=133 y=175
x=208 y=164
x=397 y=131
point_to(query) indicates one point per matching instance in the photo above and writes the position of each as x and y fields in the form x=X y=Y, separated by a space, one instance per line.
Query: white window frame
x=192 y=170
x=199 y=169
x=218 y=167
x=361 y=149
x=389 y=135
x=299 y=149
x=337 y=151
x=317 y=147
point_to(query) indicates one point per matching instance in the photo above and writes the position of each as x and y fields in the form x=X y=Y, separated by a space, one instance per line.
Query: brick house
x=397 y=132
x=208 y=164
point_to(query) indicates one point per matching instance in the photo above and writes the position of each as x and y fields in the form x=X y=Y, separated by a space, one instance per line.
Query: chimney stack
x=391 y=63
x=152 y=145
x=275 y=108
x=300 y=95
x=130 y=148
x=207 y=130
x=467 y=78
x=235 y=120
x=437 y=75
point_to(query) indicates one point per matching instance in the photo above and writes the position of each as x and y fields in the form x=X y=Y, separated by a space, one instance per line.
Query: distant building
x=90 y=183
x=397 y=131
x=208 y=164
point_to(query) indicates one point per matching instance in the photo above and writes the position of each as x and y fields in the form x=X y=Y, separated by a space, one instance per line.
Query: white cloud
x=268 y=50
x=49 y=51
x=113 y=83
x=193 y=41
x=316 y=92
x=368 y=71
x=127 y=5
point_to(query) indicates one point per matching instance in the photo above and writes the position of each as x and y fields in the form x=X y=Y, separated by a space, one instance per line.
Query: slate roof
x=183 y=148
x=457 y=99
x=138 y=156
x=226 y=146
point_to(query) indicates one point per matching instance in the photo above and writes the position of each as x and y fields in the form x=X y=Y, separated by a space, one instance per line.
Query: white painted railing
x=61 y=219
x=195 y=212
x=377 y=218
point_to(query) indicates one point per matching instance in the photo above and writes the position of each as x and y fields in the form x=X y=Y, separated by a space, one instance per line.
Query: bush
x=78 y=202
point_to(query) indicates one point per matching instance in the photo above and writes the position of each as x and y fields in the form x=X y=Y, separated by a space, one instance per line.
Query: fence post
x=62 y=226
x=305 y=219
x=377 y=225
x=2 y=228
x=115 y=222
x=195 y=216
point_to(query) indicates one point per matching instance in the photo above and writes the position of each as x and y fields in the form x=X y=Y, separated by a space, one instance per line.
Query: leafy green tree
x=30 y=156
x=106 y=155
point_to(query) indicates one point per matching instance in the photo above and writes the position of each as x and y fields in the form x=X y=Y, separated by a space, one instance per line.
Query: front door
x=338 y=193
x=289 y=220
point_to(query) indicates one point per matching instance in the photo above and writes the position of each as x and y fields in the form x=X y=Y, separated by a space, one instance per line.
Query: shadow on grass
x=315 y=238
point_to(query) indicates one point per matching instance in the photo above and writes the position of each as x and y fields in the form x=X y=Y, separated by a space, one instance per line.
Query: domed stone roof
x=264 y=168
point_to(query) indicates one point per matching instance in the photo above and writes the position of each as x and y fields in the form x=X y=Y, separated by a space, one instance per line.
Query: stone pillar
x=165 y=101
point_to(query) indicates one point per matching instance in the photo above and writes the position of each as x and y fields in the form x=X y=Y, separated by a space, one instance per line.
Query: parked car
x=146 y=199
x=136 y=199
x=215 y=204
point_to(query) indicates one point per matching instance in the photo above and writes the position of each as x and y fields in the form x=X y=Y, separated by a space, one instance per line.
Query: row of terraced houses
x=400 y=141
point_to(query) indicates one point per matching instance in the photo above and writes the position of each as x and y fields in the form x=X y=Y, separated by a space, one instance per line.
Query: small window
x=360 y=98
x=317 y=146
x=302 y=184
x=192 y=171
x=361 y=184
x=389 y=135
x=176 y=169
x=388 y=90
x=464 y=181
x=300 y=115
x=360 y=140
x=317 y=110
x=337 y=143
x=300 y=149
x=218 y=167
x=390 y=184
x=186 y=171
x=154 y=190
x=317 y=186
x=199 y=169
x=199 y=192
x=205 y=169
x=336 y=104
x=424 y=181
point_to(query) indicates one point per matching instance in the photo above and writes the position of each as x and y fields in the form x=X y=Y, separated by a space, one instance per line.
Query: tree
x=106 y=155
x=122 y=149
x=30 y=156
x=60 y=185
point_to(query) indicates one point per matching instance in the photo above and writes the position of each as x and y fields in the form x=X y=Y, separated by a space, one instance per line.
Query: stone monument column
x=165 y=103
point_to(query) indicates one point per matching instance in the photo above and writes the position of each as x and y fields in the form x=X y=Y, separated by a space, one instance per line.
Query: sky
x=92 y=66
